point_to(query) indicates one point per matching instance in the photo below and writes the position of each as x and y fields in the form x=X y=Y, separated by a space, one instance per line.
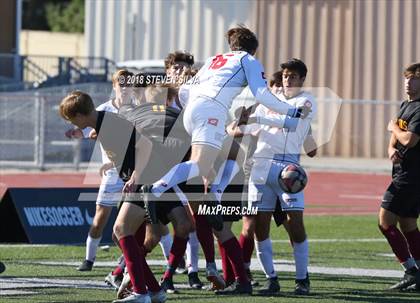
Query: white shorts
x=110 y=190
x=204 y=120
x=264 y=190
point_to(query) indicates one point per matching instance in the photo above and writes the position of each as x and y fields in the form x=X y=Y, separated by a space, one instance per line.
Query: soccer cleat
x=125 y=284
x=194 y=280
x=2 y=267
x=413 y=288
x=303 y=286
x=251 y=278
x=85 y=266
x=149 y=205
x=158 y=297
x=181 y=269
x=236 y=289
x=410 y=277
x=213 y=276
x=271 y=287
x=114 y=281
x=167 y=285
x=215 y=220
x=135 y=298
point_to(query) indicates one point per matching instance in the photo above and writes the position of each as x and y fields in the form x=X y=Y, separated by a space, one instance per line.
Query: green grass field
x=21 y=262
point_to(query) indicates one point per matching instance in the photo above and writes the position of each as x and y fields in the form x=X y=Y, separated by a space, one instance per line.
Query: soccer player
x=111 y=184
x=279 y=143
x=130 y=153
x=215 y=86
x=178 y=67
x=401 y=201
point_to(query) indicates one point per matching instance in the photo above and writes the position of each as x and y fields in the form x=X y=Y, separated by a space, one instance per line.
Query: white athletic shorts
x=204 y=120
x=110 y=190
x=264 y=189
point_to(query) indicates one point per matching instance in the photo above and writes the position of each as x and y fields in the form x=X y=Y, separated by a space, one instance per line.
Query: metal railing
x=35 y=71
x=32 y=133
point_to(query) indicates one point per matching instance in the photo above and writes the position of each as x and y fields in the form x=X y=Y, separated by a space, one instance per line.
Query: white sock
x=192 y=253
x=178 y=174
x=301 y=253
x=225 y=175
x=91 y=247
x=410 y=263
x=166 y=244
x=265 y=256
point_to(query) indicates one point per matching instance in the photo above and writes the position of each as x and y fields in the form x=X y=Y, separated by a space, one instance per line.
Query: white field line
x=336 y=240
x=14 y=292
x=18 y=286
x=279 y=265
x=274 y=241
x=14 y=283
x=386 y=255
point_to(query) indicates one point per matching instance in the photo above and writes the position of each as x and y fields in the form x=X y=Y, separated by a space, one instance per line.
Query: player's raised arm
x=258 y=85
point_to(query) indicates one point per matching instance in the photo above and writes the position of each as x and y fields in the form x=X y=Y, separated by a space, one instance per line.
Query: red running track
x=327 y=192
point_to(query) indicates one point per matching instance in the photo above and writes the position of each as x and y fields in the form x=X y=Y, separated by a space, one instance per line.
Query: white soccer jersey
x=111 y=184
x=282 y=137
x=107 y=107
x=223 y=77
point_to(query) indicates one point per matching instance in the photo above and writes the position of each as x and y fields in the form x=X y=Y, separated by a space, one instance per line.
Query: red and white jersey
x=223 y=77
x=282 y=137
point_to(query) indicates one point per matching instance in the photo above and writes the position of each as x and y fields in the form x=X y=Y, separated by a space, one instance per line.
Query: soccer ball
x=293 y=179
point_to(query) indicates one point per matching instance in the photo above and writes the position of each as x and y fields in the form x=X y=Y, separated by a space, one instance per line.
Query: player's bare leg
x=100 y=219
x=233 y=250
x=246 y=241
x=227 y=268
x=264 y=249
x=297 y=233
x=205 y=237
x=182 y=228
x=201 y=162
x=402 y=242
x=128 y=221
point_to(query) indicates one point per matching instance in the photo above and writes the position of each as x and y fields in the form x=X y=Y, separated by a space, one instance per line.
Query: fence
x=26 y=72
x=32 y=133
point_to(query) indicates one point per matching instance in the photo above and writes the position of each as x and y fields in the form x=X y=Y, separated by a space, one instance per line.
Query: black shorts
x=163 y=208
x=233 y=199
x=404 y=201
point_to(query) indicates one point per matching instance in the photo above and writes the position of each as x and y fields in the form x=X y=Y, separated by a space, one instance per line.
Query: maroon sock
x=397 y=242
x=413 y=239
x=228 y=274
x=134 y=259
x=205 y=237
x=149 y=278
x=234 y=253
x=247 y=245
x=175 y=255
x=119 y=270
